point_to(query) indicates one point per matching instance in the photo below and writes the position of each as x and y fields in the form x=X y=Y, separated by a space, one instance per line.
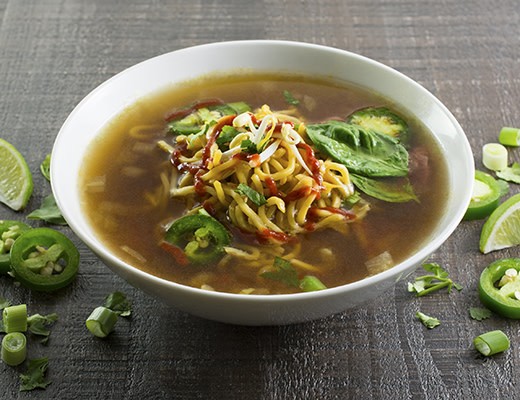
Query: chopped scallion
x=14 y=348
x=509 y=136
x=494 y=156
x=492 y=342
x=15 y=318
x=101 y=321
x=310 y=283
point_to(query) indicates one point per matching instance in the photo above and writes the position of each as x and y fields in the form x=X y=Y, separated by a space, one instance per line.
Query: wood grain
x=53 y=52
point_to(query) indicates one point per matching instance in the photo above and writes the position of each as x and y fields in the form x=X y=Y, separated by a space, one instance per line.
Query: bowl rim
x=398 y=271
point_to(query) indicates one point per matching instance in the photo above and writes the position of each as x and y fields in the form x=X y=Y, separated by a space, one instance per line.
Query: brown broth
x=131 y=167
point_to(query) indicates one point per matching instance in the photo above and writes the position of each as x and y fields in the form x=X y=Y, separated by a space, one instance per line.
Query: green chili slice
x=14 y=348
x=15 y=318
x=9 y=232
x=492 y=342
x=485 y=197
x=101 y=321
x=200 y=237
x=499 y=287
x=44 y=259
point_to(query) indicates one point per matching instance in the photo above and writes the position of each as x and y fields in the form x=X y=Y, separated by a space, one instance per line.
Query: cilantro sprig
x=427 y=321
x=436 y=280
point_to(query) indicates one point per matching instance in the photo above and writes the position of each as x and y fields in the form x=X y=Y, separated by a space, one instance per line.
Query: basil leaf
x=48 y=212
x=393 y=190
x=363 y=151
x=257 y=198
x=283 y=272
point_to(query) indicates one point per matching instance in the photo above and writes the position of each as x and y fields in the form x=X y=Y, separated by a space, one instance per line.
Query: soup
x=264 y=184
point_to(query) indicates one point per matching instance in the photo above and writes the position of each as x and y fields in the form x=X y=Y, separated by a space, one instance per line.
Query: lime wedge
x=502 y=229
x=16 y=184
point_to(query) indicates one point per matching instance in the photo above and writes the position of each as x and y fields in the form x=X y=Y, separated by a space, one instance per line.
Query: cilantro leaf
x=248 y=146
x=37 y=324
x=290 y=99
x=35 y=375
x=510 y=174
x=479 y=314
x=438 y=279
x=283 y=272
x=48 y=212
x=227 y=134
x=427 y=321
x=118 y=303
x=257 y=198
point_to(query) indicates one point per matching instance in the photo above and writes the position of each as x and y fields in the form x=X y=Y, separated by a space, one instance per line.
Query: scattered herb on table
x=510 y=174
x=118 y=303
x=4 y=303
x=48 y=212
x=45 y=167
x=35 y=375
x=479 y=313
x=436 y=280
x=38 y=325
x=102 y=319
x=427 y=321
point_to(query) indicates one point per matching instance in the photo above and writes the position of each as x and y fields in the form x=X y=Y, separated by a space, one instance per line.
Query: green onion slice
x=101 y=321
x=492 y=342
x=310 y=283
x=14 y=348
x=15 y=318
x=509 y=136
x=494 y=156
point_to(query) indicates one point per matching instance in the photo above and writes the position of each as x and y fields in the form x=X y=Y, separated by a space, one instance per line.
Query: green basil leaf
x=257 y=198
x=363 y=151
x=394 y=190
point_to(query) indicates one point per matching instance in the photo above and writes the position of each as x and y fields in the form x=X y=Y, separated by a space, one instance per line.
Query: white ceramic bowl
x=110 y=98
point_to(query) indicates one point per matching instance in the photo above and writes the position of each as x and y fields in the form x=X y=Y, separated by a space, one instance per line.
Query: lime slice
x=502 y=229
x=16 y=184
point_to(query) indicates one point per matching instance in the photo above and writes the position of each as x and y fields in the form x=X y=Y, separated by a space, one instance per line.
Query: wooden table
x=53 y=52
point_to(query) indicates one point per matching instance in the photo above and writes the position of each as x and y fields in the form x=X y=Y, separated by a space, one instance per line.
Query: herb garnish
x=479 y=314
x=257 y=198
x=427 y=321
x=118 y=303
x=511 y=174
x=427 y=284
x=48 y=212
x=283 y=272
x=35 y=375
x=37 y=324
x=248 y=146
x=290 y=99
x=45 y=167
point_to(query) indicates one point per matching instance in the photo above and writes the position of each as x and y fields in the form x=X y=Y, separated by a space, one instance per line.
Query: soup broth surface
x=122 y=183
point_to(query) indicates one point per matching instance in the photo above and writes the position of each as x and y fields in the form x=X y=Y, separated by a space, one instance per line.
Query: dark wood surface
x=53 y=52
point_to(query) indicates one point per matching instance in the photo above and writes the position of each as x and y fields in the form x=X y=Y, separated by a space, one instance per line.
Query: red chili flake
x=178 y=254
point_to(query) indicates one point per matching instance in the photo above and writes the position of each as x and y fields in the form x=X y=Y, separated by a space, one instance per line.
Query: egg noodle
x=267 y=181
